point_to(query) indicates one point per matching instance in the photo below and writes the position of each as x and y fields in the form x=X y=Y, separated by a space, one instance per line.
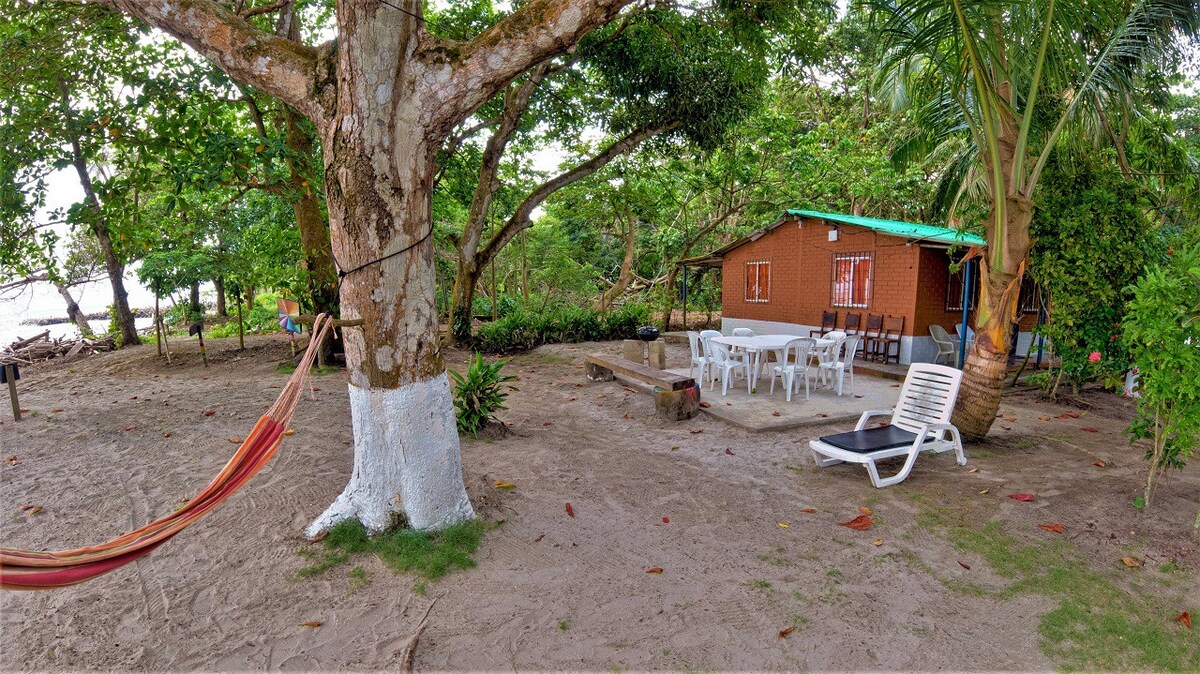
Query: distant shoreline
x=94 y=316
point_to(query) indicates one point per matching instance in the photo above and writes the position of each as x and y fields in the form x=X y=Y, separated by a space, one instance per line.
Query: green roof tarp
x=908 y=230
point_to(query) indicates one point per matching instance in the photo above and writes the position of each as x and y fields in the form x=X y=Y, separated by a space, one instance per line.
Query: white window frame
x=852 y=258
x=760 y=298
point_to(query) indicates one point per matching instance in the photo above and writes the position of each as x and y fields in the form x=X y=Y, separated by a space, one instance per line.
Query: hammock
x=32 y=570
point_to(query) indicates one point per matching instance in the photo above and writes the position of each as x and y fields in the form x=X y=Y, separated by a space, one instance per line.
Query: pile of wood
x=41 y=348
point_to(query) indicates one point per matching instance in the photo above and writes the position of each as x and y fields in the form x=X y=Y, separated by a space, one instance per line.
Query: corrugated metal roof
x=908 y=230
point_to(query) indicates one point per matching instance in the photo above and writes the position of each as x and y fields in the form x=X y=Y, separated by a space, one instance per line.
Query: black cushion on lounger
x=872 y=439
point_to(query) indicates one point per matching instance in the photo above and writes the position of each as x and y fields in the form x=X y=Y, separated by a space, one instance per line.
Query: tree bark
x=626 y=274
x=219 y=286
x=194 y=306
x=74 y=312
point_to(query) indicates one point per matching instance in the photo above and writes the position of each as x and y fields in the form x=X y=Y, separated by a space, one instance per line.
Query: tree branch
x=539 y=30
x=283 y=68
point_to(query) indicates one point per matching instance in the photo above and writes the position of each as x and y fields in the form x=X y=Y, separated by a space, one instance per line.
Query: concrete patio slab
x=759 y=411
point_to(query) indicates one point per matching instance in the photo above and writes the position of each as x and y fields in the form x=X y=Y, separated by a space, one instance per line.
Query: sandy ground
x=550 y=592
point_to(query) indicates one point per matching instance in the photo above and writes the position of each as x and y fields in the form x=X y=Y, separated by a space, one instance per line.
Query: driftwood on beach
x=41 y=348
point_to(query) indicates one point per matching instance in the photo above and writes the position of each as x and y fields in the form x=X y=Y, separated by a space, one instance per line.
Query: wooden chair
x=893 y=328
x=920 y=423
x=828 y=322
x=853 y=327
x=873 y=332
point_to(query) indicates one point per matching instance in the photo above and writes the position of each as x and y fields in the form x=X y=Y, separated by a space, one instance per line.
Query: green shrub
x=522 y=330
x=1163 y=335
x=479 y=394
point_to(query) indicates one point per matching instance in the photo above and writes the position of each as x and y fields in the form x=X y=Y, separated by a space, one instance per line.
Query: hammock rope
x=33 y=570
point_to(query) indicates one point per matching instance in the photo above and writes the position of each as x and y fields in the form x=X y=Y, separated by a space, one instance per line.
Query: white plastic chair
x=838 y=360
x=705 y=338
x=795 y=362
x=970 y=334
x=920 y=423
x=743 y=332
x=834 y=334
x=700 y=357
x=945 y=343
x=726 y=362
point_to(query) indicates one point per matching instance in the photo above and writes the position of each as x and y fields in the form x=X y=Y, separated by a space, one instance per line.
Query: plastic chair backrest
x=940 y=335
x=743 y=332
x=849 y=348
x=829 y=355
x=720 y=353
x=834 y=334
x=799 y=351
x=705 y=340
x=694 y=344
x=927 y=396
x=970 y=332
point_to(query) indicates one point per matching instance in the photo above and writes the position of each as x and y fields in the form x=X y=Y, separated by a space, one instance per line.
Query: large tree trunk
x=987 y=363
x=74 y=312
x=462 y=297
x=379 y=167
x=219 y=287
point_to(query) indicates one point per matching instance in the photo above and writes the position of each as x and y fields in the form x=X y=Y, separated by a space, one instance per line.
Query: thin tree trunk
x=74 y=312
x=625 y=277
x=219 y=286
x=194 y=306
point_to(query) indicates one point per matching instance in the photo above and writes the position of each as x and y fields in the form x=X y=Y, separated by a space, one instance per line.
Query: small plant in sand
x=479 y=394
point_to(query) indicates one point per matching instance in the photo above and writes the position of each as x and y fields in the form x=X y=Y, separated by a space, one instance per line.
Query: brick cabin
x=780 y=279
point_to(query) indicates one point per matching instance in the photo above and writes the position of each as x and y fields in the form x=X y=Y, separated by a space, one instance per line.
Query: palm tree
x=992 y=86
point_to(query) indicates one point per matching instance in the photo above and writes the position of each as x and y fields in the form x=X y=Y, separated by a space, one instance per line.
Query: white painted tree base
x=406 y=460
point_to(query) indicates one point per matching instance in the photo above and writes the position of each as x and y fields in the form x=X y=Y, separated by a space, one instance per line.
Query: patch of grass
x=288 y=367
x=429 y=554
x=564 y=624
x=358 y=579
x=1098 y=624
x=760 y=584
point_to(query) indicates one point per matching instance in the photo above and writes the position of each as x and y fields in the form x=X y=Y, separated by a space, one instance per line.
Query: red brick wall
x=802 y=274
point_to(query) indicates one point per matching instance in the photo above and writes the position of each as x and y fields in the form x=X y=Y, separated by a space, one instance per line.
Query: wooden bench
x=676 y=397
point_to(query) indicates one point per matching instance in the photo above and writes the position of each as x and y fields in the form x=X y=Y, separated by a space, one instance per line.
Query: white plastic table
x=757 y=344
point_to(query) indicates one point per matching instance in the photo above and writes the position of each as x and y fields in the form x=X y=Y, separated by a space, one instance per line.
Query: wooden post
x=157 y=326
x=11 y=375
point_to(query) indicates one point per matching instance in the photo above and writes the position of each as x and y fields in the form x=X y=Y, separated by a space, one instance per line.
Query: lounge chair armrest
x=862 y=421
x=931 y=428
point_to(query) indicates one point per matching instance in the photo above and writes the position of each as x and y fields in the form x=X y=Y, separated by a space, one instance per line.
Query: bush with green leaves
x=524 y=330
x=1162 y=330
x=1093 y=241
x=479 y=394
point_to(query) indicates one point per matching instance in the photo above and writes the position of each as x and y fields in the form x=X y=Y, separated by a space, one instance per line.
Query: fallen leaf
x=312 y=623
x=1089 y=429
x=209 y=413
x=1007 y=428
x=809 y=510
x=35 y=510
x=666 y=520
x=290 y=431
x=965 y=566
x=783 y=633
x=973 y=470
x=675 y=448
x=822 y=414
x=1010 y=419
x=570 y=510
x=1184 y=619
x=540 y=537
x=501 y=484
x=654 y=569
x=1022 y=497
x=547 y=423
x=1068 y=415
x=56 y=410
x=1099 y=464
x=705 y=404
x=570 y=400
x=857 y=395
x=697 y=430
x=1054 y=527
x=1131 y=562
x=235 y=440
x=319 y=537
x=26 y=507
x=1046 y=418
x=729 y=451
x=131 y=428
x=783 y=525
x=860 y=523
x=865 y=510
x=984 y=491
x=167 y=434
x=877 y=542
x=775 y=414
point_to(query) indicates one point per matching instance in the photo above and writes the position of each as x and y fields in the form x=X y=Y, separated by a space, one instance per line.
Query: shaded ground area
x=952 y=575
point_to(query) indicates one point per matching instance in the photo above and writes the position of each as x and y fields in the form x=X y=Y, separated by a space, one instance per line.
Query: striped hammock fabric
x=32 y=570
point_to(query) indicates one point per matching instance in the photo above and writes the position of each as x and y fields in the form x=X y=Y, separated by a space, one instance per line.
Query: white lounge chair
x=945 y=343
x=920 y=423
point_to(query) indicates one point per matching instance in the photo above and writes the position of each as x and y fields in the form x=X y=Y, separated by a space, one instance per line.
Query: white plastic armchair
x=838 y=360
x=743 y=332
x=945 y=343
x=795 y=362
x=725 y=362
x=700 y=358
x=920 y=423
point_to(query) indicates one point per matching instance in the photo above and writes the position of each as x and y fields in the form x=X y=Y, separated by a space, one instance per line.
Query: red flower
x=1094 y=356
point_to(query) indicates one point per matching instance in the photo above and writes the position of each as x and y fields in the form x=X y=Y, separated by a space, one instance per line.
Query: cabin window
x=1031 y=296
x=852 y=279
x=954 y=289
x=758 y=281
